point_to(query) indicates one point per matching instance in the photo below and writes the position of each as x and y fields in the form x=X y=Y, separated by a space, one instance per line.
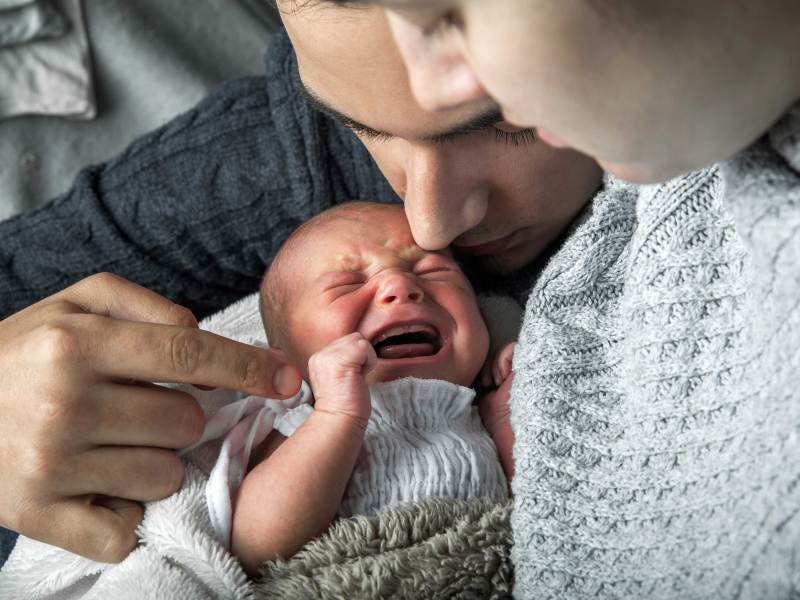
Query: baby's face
x=363 y=272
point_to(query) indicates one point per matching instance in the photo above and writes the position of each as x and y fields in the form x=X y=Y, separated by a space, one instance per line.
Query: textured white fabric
x=424 y=439
x=656 y=395
x=241 y=425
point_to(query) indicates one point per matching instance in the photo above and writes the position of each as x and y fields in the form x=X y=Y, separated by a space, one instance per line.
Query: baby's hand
x=337 y=374
x=497 y=370
x=493 y=406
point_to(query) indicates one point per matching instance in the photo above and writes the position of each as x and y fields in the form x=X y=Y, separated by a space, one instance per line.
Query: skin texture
x=361 y=272
x=652 y=89
x=468 y=190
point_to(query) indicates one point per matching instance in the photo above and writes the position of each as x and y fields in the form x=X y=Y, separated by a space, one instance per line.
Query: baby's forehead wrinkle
x=411 y=253
x=350 y=262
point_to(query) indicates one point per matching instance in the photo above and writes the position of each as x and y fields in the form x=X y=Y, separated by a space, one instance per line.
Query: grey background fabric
x=49 y=75
x=32 y=21
x=152 y=60
x=9 y=4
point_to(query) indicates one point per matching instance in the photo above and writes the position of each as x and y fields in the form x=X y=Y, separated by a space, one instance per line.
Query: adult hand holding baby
x=85 y=436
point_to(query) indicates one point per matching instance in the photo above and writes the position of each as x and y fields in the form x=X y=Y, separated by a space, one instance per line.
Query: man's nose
x=399 y=288
x=439 y=76
x=446 y=195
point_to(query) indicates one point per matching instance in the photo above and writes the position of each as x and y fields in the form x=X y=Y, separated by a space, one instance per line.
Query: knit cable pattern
x=655 y=400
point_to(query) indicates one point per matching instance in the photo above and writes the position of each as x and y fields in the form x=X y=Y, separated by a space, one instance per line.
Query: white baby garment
x=424 y=439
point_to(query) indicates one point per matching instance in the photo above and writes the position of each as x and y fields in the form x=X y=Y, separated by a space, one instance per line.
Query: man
x=194 y=212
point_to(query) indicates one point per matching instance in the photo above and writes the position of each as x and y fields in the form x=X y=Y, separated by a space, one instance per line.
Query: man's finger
x=174 y=354
x=141 y=474
x=113 y=296
x=143 y=415
x=98 y=532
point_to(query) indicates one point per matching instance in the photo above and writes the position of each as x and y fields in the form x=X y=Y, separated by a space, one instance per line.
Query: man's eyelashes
x=515 y=138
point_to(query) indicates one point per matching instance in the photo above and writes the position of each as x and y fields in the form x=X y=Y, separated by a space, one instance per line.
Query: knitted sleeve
x=655 y=393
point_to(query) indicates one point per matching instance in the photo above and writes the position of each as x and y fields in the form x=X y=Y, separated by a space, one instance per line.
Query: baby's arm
x=493 y=406
x=293 y=495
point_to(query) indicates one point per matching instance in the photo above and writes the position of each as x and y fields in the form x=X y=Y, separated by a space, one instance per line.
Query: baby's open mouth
x=407 y=341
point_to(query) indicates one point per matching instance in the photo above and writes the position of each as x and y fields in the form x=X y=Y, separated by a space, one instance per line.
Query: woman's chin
x=638 y=172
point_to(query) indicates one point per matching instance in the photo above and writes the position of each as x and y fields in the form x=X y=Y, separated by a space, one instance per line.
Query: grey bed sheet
x=152 y=59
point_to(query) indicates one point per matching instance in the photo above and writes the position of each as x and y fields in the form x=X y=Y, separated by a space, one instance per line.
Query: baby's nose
x=399 y=288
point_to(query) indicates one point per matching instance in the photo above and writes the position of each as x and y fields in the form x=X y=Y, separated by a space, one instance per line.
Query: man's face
x=362 y=271
x=466 y=177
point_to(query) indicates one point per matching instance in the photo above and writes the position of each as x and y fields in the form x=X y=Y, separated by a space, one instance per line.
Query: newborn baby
x=353 y=302
x=390 y=338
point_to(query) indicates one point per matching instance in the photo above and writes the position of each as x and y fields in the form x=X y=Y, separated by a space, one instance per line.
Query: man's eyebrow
x=477 y=123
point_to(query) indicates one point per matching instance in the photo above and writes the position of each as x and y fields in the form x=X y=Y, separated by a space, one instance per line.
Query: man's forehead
x=351 y=69
x=483 y=116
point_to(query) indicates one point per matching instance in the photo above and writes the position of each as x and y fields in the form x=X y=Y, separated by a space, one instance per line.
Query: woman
x=652 y=89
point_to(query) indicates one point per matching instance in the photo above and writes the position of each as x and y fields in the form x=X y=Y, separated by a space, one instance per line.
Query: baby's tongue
x=405 y=350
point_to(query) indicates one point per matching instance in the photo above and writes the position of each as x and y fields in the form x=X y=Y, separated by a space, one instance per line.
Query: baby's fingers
x=361 y=352
x=501 y=367
x=349 y=353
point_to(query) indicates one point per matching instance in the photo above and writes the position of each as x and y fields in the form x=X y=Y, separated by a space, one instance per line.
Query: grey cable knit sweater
x=654 y=400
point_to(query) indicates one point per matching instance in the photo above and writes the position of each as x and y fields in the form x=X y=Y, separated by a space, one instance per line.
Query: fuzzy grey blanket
x=440 y=548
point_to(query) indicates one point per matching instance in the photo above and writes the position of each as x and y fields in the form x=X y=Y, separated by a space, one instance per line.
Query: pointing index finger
x=176 y=354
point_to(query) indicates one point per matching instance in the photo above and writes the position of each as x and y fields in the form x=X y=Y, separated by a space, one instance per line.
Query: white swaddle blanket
x=423 y=439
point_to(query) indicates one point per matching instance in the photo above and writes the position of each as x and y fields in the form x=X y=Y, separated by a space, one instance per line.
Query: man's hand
x=337 y=374
x=85 y=435
x=493 y=406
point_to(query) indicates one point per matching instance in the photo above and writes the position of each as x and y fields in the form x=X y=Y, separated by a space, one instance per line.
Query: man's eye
x=514 y=136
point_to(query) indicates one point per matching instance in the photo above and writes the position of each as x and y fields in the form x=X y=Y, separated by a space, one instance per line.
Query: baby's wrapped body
x=392 y=424
x=424 y=439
